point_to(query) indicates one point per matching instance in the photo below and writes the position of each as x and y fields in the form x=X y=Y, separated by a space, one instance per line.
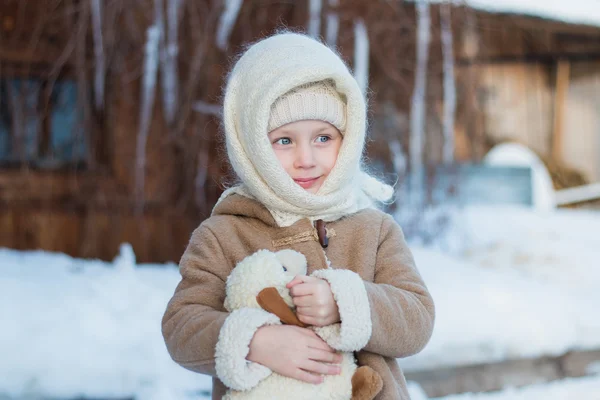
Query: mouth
x=306 y=183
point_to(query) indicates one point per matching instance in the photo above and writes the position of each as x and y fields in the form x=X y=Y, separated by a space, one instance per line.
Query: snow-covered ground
x=73 y=327
x=523 y=283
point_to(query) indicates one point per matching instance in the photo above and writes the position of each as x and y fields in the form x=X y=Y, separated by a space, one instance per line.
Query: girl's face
x=307 y=150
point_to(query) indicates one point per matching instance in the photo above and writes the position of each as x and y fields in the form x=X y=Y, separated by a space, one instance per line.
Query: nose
x=305 y=158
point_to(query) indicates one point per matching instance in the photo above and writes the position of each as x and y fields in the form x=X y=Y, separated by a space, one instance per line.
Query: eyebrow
x=325 y=128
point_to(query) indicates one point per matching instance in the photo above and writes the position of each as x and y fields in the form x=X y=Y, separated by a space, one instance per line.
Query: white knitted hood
x=269 y=69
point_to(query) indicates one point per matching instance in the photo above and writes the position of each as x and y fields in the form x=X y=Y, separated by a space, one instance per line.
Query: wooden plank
x=29 y=185
x=581 y=146
x=7 y=229
x=578 y=194
x=511 y=373
x=544 y=58
x=485 y=377
x=60 y=232
x=97 y=234
x=563 y=72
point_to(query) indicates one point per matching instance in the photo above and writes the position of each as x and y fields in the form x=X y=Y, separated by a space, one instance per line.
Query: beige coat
x=369 y=242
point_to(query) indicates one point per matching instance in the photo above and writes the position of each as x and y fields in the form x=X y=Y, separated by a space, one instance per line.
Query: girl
x=295 y=125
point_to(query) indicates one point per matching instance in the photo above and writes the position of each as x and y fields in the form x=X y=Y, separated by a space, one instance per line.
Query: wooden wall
x=517 y=104
x=581 y=147
x=538 y=84
x=90 y=213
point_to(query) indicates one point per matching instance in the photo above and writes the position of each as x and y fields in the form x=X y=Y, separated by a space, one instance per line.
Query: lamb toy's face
x=261 y=270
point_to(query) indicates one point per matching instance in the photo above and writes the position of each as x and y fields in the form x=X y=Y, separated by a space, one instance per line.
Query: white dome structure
x=515 y=154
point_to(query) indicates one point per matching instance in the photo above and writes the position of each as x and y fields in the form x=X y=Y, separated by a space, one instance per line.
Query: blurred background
x=485 y=114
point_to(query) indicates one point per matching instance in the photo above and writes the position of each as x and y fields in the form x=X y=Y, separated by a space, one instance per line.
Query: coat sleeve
x=199 y=333
x=354 y=330
x=195 y=314
x=402 y=310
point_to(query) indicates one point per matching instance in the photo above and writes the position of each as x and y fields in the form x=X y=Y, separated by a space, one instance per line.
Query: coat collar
x=242 y=206
x=245 y=207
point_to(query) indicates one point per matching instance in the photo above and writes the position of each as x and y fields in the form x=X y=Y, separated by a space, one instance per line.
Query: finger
x=319 y=344
x=324 y=356
x=302 y=279
x=320 y=368
x=302 y=289
x=297 y=279
x=307 y=311
x=304 y=301
x=317 y=311
x=312 y=321
x=307 y=377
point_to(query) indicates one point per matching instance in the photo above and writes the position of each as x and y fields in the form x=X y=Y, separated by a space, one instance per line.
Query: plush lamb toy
x=259 y=281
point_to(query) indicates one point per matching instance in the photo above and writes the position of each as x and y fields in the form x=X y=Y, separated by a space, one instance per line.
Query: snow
x=417 y=110
x=84 y=327
x=168 y=59
x=207 y=108
x=99 y=68
x=449 y=82
x=314 y=18
x=148 y=92
x=361 y=54
x=333 y=23
x=578 y=194
x=585 y=12
x=226 y=22
x=522 y=284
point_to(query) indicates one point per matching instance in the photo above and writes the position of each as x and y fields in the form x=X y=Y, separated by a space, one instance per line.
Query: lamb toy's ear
x=293 y=262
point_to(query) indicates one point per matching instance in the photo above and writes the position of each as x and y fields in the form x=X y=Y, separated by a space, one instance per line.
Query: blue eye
x=283 y=141
x=326 y=139
x=284 y=269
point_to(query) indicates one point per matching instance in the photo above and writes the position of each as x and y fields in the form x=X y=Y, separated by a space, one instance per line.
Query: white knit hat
x=312 y=101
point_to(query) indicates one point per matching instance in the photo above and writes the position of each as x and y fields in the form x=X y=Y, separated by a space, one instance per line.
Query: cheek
x=285 y=158
x=330 y=157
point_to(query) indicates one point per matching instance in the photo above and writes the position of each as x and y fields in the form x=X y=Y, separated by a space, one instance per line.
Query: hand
x=294 y=352
x=314 y=301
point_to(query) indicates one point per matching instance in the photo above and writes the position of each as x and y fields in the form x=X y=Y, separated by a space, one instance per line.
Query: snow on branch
x=314 y=18
x=206 y=108
x=333 y=24
x=449 y=82
x=227 y=21
x=361 y=54
x=578 y=194
x=169 y=52
x=151 y=59
x=98 y=54
x=417 y=118
x=398 y=158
